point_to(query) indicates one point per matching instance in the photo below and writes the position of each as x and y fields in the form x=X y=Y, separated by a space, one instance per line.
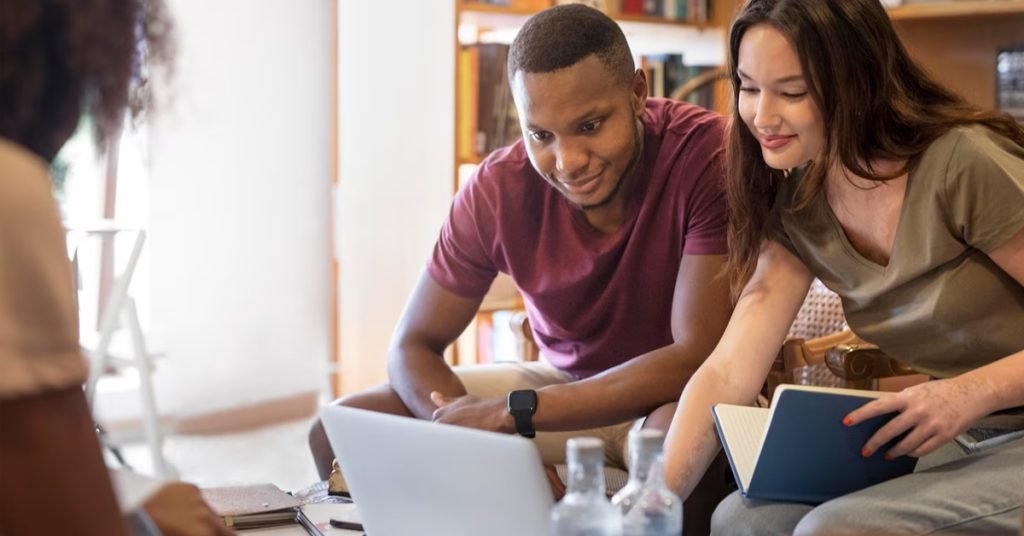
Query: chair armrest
x=857 y=362
x=526 y=347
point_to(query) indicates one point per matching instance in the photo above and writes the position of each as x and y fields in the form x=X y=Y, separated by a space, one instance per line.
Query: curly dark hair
x=60 y=59
x=563 y=35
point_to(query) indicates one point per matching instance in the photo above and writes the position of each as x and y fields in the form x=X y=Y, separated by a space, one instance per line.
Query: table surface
x=320 y=514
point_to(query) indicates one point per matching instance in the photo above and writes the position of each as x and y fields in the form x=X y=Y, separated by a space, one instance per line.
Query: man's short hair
x=563 y=35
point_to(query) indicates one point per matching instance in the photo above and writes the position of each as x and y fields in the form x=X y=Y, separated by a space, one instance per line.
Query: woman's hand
x=933 y=412
x=178 y=509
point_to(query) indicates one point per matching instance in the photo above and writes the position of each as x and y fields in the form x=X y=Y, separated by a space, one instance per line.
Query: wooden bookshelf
x=962 y=9
x=957 y=42
x=649 y=19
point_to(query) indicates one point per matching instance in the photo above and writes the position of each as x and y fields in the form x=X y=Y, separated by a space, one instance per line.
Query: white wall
x=396 y=130
x=240 y=199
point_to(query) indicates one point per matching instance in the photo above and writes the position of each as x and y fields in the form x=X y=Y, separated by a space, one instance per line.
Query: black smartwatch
x=522 y=404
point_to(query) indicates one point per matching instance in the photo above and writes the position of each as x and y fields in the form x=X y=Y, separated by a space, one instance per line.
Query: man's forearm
x=415 y=371
x=629 y=391
x=52 y=470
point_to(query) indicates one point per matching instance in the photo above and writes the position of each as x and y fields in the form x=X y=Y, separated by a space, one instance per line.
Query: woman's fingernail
x=888 y=457
x=847 y=421
x=865 y=452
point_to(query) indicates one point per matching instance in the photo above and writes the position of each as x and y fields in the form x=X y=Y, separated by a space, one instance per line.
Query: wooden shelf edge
x=648 y=19
x=463 y=7
x=938 y=10
x=515 y=11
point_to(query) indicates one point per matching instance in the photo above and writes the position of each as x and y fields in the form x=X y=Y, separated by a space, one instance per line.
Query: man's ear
x=638 y=91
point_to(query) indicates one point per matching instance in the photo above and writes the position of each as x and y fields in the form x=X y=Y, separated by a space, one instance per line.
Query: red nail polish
x=888 y=457
x=847 y=421
x=865 y=452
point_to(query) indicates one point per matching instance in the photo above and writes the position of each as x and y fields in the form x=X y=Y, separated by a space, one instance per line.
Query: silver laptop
x=410 y=477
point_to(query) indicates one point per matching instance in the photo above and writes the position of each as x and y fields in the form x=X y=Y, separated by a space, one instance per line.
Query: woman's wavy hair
x=62 y=59
x=876 y=104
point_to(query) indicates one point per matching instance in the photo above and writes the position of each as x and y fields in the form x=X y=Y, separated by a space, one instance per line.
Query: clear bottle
x=657 y=511
x=585 y=510
x=644 y=446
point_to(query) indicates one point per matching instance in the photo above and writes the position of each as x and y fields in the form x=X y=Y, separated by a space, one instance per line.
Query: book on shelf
x=799 y=450
x=696 y=11
x=497 y=121
x=1010 y=82
x=468 y=81
x=667 y=73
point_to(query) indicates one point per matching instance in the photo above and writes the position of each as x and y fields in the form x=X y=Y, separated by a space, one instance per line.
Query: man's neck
x=608 y=218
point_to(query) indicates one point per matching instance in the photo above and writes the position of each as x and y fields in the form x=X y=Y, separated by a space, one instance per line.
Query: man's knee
x=381 y=399
x=317 y=434
x=661 y=417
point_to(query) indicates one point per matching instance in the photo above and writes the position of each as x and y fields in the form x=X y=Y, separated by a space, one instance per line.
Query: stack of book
x=696 y=11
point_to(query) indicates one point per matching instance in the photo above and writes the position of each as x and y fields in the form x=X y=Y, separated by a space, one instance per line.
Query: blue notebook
x=800 y=450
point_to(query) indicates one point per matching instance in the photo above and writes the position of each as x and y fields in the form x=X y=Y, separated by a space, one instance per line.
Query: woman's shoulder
x=24 y=177
x=968 y=142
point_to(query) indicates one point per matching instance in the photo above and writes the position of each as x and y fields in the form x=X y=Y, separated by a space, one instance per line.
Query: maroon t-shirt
x=594 y=300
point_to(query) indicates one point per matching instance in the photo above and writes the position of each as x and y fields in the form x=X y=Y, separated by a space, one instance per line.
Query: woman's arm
x=736 y=369
x=935 y=412
x=51 y=468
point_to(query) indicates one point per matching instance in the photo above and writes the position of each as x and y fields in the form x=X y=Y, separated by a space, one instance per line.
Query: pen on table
x=347 y=525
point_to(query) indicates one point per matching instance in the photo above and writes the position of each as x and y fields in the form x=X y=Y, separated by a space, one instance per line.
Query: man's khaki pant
x=497 y=380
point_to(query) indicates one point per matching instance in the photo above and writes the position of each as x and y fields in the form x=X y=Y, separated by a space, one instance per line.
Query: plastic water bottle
x=644 y=446
x=657 y=511
x=585 y=510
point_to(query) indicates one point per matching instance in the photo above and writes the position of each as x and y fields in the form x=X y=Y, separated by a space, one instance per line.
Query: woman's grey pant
x=979 y=494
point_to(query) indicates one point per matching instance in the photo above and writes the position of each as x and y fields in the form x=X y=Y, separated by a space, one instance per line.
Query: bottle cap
x=585 y=449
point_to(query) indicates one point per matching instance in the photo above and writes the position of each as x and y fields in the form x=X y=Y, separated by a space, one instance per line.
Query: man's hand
x=483 y=414
x=178 y=509
x=933 y=412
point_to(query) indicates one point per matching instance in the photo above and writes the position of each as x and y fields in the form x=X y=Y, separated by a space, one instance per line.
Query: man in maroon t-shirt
x=610 y=217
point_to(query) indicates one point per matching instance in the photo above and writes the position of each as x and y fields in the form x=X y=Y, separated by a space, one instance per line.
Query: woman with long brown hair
x=849 y=164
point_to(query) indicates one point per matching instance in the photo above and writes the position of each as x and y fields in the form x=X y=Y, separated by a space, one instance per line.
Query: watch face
x=525 y=400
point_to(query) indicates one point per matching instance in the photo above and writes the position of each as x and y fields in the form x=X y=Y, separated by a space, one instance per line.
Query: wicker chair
x=821 y=350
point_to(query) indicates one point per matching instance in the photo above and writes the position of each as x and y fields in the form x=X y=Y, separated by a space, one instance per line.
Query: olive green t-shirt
x=941 y=305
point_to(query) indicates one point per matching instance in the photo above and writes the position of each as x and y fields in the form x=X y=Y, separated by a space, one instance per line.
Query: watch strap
x=524 y=423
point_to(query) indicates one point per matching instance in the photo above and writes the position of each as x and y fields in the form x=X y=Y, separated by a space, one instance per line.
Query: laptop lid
x=413 y=477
